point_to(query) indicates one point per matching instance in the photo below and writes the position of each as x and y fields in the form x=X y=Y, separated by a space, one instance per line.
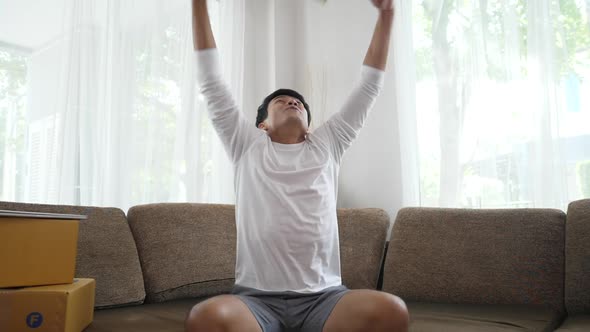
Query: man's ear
x=262 y=125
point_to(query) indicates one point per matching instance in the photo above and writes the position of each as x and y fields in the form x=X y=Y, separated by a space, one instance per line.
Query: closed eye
x=282 y=100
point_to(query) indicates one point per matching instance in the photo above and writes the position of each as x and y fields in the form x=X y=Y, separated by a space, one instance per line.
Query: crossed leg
x=368 y=310
x=221 y=313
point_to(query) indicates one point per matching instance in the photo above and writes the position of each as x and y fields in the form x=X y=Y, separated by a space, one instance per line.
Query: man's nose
x=292 y=102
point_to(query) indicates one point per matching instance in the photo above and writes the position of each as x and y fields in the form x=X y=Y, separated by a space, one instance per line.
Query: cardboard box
x=37 y=248
x=58 y=308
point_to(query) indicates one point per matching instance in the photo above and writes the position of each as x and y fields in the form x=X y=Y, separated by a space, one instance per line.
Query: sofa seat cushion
x=576 y=323
x=480 y=318
x=160 y=317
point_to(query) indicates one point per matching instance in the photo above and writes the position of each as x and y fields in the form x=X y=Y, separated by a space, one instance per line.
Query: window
x=13 y=125
x=503 y=103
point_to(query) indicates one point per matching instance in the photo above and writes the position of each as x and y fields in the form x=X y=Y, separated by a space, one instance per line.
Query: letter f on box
x=34 y=319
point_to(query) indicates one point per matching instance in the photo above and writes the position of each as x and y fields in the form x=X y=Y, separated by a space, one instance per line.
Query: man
x=288 y=261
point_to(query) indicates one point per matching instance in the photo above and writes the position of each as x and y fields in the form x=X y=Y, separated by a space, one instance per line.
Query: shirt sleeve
x=341 y=129
x=234 y=130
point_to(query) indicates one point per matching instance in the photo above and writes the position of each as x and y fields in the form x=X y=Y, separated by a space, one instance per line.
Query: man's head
x=281 y=109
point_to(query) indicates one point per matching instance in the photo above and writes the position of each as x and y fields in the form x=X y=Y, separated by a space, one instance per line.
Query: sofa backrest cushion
x=106 y=252
x=189 y=249
x=363 y=234
x=577 y=257
x=487 y=256
x=185 y=249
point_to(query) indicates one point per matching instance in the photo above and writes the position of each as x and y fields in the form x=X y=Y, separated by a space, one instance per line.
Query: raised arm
x=202 y=33
x=235 y=132
x=341 y=129
x=377 y=53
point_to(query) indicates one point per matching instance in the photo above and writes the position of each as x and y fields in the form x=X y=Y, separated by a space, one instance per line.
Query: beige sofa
x=458 y=269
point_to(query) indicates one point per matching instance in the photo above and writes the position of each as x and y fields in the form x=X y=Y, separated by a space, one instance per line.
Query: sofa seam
x=191 y=284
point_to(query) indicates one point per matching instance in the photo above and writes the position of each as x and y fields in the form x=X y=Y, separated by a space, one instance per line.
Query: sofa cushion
x=156 y=317
x=185 y=249
x=363 y=234
x=106 y=252
x=504 y=256
x=480 y=318
x=189 y=250
x=575 y=323
x=577 y=257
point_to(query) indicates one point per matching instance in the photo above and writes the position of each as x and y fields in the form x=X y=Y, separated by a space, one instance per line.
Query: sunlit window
x=13 y=125
x=503 y=102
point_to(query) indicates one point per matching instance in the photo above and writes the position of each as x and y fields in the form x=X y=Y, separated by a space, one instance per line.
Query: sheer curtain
x=485 y=103
x=113 y=117
x=115 y=114
x=501 y=103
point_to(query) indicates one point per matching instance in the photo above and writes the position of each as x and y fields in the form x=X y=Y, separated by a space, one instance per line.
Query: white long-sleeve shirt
x=287 y=231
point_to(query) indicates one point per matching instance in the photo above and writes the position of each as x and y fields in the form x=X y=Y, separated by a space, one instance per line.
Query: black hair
x=263 y=108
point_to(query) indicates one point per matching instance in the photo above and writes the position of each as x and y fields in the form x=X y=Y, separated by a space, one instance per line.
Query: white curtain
x=123 y=124
x=501 y=113
x=485 y=102
x=114 y=119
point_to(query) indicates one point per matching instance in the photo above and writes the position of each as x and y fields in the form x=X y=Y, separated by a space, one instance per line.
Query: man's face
x=285 y=111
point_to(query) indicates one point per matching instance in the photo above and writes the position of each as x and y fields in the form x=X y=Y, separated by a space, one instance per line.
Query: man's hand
x=383 y=4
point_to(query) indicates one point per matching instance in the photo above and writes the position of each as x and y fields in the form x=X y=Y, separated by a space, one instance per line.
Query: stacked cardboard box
x=37 y=265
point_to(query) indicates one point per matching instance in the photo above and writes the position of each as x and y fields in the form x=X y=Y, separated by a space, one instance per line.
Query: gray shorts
x=290 y=311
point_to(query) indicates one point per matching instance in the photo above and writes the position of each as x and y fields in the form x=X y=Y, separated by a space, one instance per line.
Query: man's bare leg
x=224 y=313
x=368 y=310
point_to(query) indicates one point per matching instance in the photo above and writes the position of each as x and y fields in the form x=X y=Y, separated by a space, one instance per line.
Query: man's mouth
x=292 y=108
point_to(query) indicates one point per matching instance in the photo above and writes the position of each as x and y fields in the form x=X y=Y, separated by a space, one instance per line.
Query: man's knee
x=390 y=313
x=211 y=315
